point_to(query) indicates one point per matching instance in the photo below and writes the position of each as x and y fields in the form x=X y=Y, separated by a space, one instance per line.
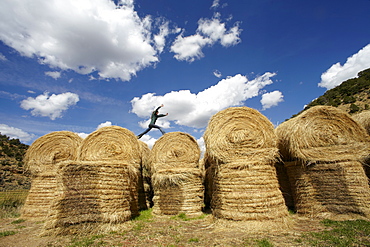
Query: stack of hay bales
x=323 y=149
x=363 y=118
x=101 y=187
x=176 y=177
x=41 y=160
x=241 y=151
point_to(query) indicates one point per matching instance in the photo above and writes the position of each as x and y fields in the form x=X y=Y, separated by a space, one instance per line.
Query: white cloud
x=53 y=74
x=50 y=106
x=217 y=73
x=189 y=48
x=15 y=133
x=106 y=124
x=271 y=99
x=215 y=4
x=194 y=110
x=148 y=140
x=2 y=57
x=337 y=73
x=82 y=135
x=84 y=36
x=209 y=32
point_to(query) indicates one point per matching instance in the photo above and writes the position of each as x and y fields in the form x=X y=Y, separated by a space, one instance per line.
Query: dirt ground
x=168 y=231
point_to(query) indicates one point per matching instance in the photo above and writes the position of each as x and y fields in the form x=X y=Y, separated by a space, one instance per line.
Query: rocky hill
x=351 y=96
x=12 y=174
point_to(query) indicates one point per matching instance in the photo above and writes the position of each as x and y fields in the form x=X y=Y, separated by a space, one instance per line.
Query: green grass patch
x=340 y=234
x=94 y=240
x=264 y=243
x=193 y=240
x=145 y=216
x=7 y=233
x=184 y=217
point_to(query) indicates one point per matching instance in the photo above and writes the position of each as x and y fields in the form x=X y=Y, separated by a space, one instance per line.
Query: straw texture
x=363 y=119
x=111 y=143
x=90 y=193
x=325 y=189
x=241 y=180
x=323 y=149
x=322 y=133
x=41 y=160
x=50 y=149
x=177 y=180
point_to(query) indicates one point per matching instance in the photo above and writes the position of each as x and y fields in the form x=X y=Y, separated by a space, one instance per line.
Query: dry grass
x=323 y=133
x=363 y=118
x=323 y=149
x=48 y=150
x=240 y=132
x=109 y=144
x=241 y=180
x=90 y=194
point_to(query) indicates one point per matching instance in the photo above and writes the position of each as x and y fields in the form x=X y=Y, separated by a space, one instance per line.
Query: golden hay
x=240 y=132
x=178 y=190
x=241 y=180
x=322 y=133
x=251 y=193
x=109 y=144
x=92 y=192
x=327 y=189
x=173 y=150
x=40 y=197
x=363 y=118
x=50 y=149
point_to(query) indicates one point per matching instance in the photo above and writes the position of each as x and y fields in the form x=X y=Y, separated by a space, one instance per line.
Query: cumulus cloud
x=15 y=133
x=53 y=74
x=84 y=36
x=209 y=32
x=338 y=73
x=106 y=124
x=50 y=106
x=271 y=99
x=194 y=110
x=215 y=3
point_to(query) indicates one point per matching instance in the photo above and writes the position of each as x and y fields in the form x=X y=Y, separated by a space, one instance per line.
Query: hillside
x=351 y=96
x=12 y=174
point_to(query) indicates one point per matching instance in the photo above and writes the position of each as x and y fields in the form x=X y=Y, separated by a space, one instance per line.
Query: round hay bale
x=239 y=132
x=363 y=118
x=322 y=133
x=109 y=144
x=50 y=149
x=174 y=150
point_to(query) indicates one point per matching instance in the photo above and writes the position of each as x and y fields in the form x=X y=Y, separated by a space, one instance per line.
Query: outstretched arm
x=159 y=107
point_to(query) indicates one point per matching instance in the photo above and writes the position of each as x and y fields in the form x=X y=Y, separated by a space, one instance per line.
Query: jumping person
x=153 y=119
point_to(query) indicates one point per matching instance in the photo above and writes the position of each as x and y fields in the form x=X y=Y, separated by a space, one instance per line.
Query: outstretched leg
x=146 y=131
x=157 y=127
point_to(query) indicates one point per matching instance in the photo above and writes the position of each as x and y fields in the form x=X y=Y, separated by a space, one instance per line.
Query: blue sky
x=79 y=65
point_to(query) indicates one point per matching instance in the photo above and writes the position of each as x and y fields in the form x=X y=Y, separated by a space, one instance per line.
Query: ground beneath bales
x=167 y=231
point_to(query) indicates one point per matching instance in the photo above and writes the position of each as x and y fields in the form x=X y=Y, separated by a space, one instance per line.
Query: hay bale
x=323 y=149
x=322 y=133
x=178 y=190
x=239 y=132
x=331 y=188
x=177 y=180
x=41 y=160
x=90 y=194
x=241 y=180
x=40 y=197
x=50 y=149
x=109 y=144
x=175 y=149
x=117 y=145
